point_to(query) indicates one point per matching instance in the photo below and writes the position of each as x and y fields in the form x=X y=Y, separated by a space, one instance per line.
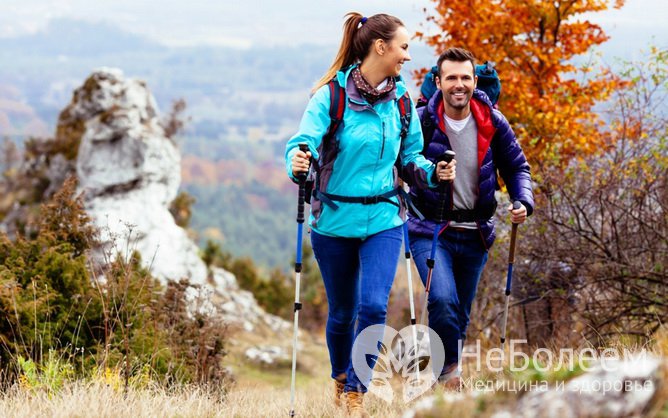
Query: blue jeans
x=459 y=261
x=358 y=276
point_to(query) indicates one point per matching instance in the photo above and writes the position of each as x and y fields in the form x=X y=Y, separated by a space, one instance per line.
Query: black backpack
x=337 y=107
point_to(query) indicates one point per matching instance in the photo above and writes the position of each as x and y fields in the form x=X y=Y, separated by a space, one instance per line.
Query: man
x=462 y=119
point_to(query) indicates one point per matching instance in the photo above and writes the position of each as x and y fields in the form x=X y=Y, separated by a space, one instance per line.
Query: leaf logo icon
x=414 y=356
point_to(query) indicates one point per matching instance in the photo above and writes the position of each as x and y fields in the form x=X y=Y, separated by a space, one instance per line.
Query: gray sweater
x=465 y=145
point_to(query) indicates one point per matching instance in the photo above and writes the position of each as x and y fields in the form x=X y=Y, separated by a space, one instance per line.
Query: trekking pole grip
x=447 y=156
x=302 y=188
x=513 y=235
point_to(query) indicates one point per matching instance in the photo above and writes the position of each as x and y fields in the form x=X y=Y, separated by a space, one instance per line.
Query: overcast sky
x=245 y=22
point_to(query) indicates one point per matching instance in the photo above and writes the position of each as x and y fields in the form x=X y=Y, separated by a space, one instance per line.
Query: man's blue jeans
x=358 y=276
x=459 y=261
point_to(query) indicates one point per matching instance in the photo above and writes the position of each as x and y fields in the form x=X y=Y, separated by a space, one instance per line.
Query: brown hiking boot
x=450 y=379
x=454 y=384
x=339 y=384
x=355 y=405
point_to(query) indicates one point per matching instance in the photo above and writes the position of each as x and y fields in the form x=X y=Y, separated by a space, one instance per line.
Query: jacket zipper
x=382 y=148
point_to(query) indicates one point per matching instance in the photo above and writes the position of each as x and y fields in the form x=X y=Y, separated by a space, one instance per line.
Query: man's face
x=457 y=82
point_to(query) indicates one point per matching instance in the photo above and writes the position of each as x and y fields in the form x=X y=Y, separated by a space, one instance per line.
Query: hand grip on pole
x=302 y=188
x=447 y=156
x=303 y=147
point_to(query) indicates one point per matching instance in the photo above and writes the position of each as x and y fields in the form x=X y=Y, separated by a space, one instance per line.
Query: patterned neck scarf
x=371 y=94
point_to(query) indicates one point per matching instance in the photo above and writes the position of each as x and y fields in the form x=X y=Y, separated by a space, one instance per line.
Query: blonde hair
x=358 y=35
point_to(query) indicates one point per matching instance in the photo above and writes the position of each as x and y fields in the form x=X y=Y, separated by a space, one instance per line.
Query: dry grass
x=316 y=400
x=258 y=392
x=98 y=400
x=80 y=399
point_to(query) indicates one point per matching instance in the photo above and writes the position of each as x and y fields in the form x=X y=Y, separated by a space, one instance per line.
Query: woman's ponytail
x=346 y=55
x=358 y=34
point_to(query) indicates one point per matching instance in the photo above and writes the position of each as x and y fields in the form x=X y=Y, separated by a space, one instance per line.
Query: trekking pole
x=298 y=269
x=409 y=273
x=409 y=276
x=447 y=156
x=509 y=277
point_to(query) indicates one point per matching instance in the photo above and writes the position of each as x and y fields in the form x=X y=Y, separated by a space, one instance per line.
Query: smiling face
x=457 y=82
x=395 y=52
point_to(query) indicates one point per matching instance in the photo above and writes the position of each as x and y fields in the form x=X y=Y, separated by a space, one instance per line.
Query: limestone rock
x=613 y=388
x=634 y=387
x=129 y=172
x=266 y=355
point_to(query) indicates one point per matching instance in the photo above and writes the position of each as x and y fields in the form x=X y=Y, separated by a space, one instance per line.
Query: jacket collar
x=344 y=80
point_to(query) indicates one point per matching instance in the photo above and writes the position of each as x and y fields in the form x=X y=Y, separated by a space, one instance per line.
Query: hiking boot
x=451 y=378
x=355 y=405
x=339 y=384
x=454 y=384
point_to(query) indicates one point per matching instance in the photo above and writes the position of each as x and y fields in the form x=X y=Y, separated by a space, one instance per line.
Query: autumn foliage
x=594 y=254
x=547 y=98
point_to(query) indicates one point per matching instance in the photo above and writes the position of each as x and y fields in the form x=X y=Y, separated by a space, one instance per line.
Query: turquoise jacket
x=368 y=146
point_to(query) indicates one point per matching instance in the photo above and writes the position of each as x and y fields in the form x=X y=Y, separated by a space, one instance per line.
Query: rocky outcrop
x=110 y=136
x=613 y=389
x=269 y=355
x=129 y=172
x=635 y=387
x=239 y=306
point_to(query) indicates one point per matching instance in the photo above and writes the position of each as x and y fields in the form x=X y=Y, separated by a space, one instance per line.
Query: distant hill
x=228 y=90
x=77 y=38
x=242 y=105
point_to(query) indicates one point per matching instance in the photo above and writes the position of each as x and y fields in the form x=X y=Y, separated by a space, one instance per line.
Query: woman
x=356 y=240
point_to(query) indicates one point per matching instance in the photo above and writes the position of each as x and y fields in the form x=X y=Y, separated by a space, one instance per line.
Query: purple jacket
x=497 y=150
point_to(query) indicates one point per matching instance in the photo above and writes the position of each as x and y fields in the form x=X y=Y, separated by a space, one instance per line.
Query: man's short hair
x=456 y=55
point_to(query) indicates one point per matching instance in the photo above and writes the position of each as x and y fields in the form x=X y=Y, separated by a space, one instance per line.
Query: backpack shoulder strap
x=329 y=147
x=405 y=113
x=428 y=127
x=337 y=105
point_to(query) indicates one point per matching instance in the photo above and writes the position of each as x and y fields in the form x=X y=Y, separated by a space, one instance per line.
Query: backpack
x=488 y=81
x=329 y=150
